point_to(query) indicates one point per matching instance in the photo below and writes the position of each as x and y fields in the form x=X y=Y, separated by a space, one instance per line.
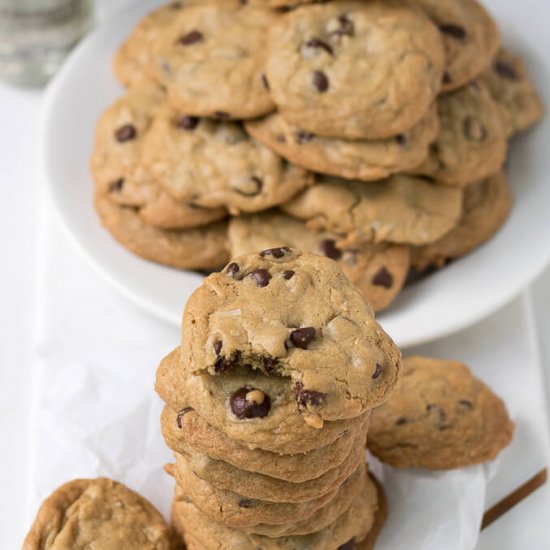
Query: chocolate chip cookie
x=401 y=209
x=470 y=38
x=234 y=332
x=263 y=411
x=186 y=428
x=211 y=60
x=378 y=270
x=215 y=164
x=224 y=476
x=364 y=515
x=441 y=417
x=354 y=69
x=200 y=248
x=514 y=92
x=486 y=208
x=472 y=143
x=351 y=159
x=118 y=170
x=98 y=513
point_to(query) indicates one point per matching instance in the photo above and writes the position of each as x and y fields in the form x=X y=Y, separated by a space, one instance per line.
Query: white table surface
x=20 y=242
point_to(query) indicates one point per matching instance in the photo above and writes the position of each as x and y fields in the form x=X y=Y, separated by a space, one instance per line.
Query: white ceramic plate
x=452 y=299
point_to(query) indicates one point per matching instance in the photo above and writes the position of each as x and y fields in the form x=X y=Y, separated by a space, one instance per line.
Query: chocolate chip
x=126 y=133
x=181 y=414
x=247 y=503
x=474 y=130
x=221 y=115
x=320 y=81
x=223 y=364
x=319 y=44
x=447 y=79
x=244 y=408
x=401 y=139
x=232 y=269
x=307 y=397
x=505 y=70
x=383 y=278
x=270 y=364
x=453 y=30
x=441 y=421
x=191 y=38
x=116 y=186
x=278 y=252
x=288 y=274
x=265 y=82
x=303 y=137
x=377 y=371
x=187 y=122
x=329 y=249
x=217 y=346
x=350 y=545
x=466 y=403
x=400 y=421
x=302 y=337
x=346 y=27
x=261 y=276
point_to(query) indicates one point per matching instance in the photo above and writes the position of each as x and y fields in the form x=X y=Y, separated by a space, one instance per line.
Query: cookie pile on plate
x=373 y=132
x=268 y=401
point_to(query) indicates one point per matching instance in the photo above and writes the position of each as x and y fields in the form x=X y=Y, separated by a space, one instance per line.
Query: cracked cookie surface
x=378 y=270
x=216 y=165
x=98 y=513
x=441 y=417
x=351 y=159
x=354 y=69
x=401 y=209
x=211 y=59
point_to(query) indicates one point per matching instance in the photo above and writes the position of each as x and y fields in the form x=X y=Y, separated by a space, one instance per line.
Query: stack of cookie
x=373 y=132
x=267 y=407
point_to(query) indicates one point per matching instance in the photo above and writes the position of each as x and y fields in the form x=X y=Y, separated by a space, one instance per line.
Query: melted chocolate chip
x=401 y=421
x=474 y=130
x=288 y=274
x=453 y=30
x=247 y=503
x=223 y=364
x=447 y=79
x=261 y=277
x=401 y=139
x=319 y=44
x=329 y=249
x=350 y=545
x=466 y=403
x=116 y=186
x=278 y=252
x=270 y=364
x=302 y=337
x=244 y=408
x=181 y=414
x=304 y=137
x=187 y=122
x=126 y=133
x=346 y=26
x=505 y=70
x=265 y=82
x=190 y=38
x=232 y=269
x=217 y=346
x=320 y=81
x=377 y=371
x=383 y=278
x=307 y=397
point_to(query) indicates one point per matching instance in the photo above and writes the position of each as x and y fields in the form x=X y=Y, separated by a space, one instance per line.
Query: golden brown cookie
x=472 y=140
x=441 y=417
x=514 y=92
x=211 y=60
x=486 y=208
x=200 y=248
x=98 y=513
x=354 y=69
x=402 y=209
x=378 y=270
x=186 y=428
x=352 y=159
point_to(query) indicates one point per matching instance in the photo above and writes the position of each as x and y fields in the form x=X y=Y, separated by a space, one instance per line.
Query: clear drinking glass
x=36 y=35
